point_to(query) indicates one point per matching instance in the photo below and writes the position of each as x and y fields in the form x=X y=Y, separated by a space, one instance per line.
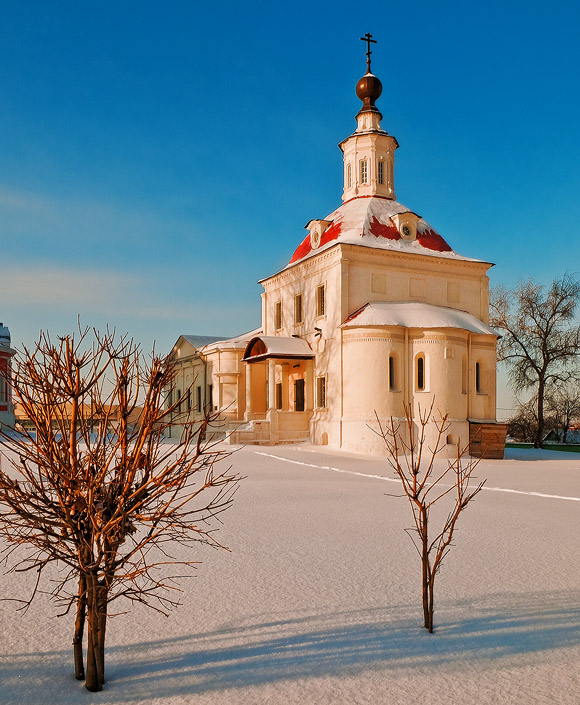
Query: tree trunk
x=96 y=627
x=538 y=441
x=79 y=630
x=431 y=605
x=425 y=566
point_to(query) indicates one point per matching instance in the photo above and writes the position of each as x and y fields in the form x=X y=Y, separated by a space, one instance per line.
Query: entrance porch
x=279 y=391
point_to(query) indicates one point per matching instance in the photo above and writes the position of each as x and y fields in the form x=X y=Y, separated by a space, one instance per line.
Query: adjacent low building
x=6 y=405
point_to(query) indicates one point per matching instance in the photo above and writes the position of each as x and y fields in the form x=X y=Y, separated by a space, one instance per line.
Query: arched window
x=420 y=372
x=392 y=374
x=478 y=377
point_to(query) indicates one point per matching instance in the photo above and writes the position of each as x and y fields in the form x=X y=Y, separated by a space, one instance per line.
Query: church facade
x=374 y=312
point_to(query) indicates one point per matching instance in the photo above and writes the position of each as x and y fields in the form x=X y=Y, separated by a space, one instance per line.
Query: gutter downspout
x=406 y=381
x=469 y=395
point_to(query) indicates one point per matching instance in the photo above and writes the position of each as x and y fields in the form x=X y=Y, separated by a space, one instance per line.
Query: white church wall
x=377 y=275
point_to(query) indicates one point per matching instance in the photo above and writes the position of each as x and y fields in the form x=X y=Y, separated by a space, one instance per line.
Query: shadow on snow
x=310 y=646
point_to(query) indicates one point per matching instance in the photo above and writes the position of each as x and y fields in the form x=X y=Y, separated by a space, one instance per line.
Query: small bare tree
x=105 y=498
x=424 y=484
x=540 y=342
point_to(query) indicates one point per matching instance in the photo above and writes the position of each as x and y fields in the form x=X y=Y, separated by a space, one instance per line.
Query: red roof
x=367 y=221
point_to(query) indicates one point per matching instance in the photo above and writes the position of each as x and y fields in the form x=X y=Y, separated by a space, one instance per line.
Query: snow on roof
x=239 y=341
x=366 y=221
x=264 y=346
x=200 y=341
x=416 y=315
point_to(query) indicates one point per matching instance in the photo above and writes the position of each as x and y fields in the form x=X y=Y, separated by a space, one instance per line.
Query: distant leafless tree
x=523 y=424
x=426 y=484
x=110 y=507
x=563 y=406
x=540 y=342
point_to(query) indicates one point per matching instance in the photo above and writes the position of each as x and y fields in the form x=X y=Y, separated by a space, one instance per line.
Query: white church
x=374 y=312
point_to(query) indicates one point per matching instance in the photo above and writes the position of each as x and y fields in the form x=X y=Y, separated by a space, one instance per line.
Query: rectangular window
x=478 y=378
x=178 y=400
x=210 y=397
x=277 y=315
x=349 y=176
x=363 y=171
x=298 y=308
x=278 y=395
x=320 y=300
x=321 y=392
x=380 y=172
x=4 y=376
x=189 y=399
x=198 y=399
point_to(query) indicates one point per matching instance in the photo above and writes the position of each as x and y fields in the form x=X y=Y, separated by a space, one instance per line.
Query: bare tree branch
x=539 y=343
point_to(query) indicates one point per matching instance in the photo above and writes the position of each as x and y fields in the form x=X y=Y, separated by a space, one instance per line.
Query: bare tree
x=539 y=342
x=523 y=425
x=563 y=405
x=109 y=502
x=425 y=484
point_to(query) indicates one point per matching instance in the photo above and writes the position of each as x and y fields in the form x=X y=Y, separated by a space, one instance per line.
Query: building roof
x=239 y=341
x=366 y=221
x=200 y=341
x=4 y=336
x=262 y=347
x=416 y=315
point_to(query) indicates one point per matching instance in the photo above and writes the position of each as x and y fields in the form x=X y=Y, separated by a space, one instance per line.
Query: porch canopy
x=267 y=347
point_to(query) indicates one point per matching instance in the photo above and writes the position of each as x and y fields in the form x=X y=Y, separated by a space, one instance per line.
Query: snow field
x=319 y=599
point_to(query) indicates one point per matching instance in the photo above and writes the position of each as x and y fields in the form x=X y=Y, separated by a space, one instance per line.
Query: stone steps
x=258 y=433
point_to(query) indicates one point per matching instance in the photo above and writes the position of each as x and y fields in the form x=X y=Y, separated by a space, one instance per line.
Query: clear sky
x=157 y=159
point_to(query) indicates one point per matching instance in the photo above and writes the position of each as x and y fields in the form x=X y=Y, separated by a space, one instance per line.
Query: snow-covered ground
x=319 y=602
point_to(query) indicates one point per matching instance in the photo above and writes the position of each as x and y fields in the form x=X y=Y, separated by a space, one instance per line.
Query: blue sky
x=142 y=143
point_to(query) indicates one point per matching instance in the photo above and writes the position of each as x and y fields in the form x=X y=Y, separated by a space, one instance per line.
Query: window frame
x=321 y=392
x=420 y=372
x=380 y=172
x=278 y=315
x=392 y=374
x=320 y=300
x=364 y=171
x=298 y=309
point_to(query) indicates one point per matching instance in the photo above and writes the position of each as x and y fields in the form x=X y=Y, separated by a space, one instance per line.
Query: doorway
x=299 y=395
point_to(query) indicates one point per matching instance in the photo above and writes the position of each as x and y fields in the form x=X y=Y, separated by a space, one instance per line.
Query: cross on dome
x=369 y=40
